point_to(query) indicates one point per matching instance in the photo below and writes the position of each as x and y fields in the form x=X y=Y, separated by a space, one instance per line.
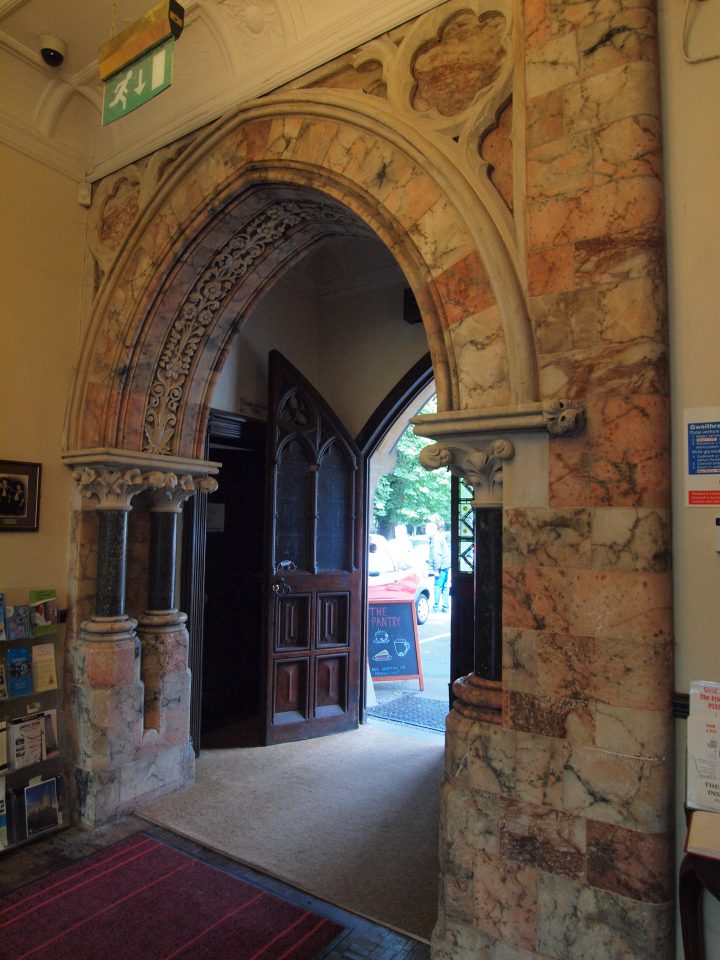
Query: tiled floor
x=361 y=939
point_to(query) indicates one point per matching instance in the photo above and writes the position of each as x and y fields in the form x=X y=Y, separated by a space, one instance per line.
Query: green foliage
x=411 y=494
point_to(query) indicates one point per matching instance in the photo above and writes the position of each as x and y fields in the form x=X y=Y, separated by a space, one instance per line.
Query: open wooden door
x=313 y=565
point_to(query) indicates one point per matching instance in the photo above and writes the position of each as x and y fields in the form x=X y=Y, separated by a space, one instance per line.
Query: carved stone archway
x=158 y=330
x=549 y=775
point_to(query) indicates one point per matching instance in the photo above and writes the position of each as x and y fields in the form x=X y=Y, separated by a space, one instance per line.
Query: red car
x=394 y=578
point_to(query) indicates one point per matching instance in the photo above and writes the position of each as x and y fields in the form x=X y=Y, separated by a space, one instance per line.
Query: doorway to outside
x=409 y=568
x=339 y=317
x=279 y=808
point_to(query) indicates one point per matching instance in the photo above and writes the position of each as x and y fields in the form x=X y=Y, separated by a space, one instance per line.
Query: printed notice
x=702 y=442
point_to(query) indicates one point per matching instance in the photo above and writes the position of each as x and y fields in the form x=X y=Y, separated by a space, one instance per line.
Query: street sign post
x=138 y=82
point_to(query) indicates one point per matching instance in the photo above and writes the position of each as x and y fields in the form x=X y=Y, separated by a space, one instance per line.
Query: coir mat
x=143 y=900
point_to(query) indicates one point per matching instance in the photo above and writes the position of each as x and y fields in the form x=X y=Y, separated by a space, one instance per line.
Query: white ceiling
x=229 y=52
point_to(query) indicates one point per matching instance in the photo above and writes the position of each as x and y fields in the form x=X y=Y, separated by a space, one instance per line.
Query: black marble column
x=112 y=546
x=161 y=574
x=488 y=592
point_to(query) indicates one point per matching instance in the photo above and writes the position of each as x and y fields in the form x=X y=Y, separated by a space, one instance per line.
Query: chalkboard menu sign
x=393 y=648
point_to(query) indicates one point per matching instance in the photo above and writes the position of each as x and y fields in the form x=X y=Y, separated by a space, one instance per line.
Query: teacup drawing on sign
x=401 y=647
x=381 y=637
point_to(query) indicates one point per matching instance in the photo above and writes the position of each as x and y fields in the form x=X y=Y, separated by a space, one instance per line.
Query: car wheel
x=422 y=608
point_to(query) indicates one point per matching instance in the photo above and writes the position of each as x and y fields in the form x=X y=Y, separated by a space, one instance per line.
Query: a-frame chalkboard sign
x=393 y=645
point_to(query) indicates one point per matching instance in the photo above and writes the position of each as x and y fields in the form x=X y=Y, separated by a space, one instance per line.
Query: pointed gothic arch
x=242 y=204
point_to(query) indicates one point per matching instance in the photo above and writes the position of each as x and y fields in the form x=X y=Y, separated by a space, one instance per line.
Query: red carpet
x=143 y=900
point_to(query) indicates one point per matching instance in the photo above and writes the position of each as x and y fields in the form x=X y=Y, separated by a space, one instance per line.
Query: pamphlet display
x=32 y=794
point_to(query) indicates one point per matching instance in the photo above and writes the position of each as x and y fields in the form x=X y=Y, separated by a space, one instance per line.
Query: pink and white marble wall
x=571 y=854
x=509 y=157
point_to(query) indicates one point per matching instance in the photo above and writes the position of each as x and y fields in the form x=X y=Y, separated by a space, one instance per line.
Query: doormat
x=413 y=710
x=144 y=900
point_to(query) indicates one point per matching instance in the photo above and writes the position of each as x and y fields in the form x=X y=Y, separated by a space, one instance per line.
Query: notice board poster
x=702 y=457
x=393 y=646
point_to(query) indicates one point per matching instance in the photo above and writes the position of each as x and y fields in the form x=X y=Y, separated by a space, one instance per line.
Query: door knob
x=281 y=586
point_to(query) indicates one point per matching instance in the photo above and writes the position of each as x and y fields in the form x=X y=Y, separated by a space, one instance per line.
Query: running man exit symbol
x=138 y=82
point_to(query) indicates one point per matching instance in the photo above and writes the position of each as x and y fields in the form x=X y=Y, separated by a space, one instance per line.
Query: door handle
x=281 y=586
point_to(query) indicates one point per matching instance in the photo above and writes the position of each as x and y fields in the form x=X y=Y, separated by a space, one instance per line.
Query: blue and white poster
x=702 y=442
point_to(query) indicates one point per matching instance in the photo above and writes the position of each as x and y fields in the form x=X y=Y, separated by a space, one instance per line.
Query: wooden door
x=313 y=564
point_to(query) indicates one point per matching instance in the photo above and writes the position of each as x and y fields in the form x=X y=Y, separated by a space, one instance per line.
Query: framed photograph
x=19 y=495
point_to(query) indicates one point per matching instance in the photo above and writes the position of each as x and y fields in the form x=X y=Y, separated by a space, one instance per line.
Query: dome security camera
x=52 y=50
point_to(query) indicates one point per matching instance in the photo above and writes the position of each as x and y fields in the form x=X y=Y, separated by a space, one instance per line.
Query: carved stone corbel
x=480 y=465
x=562 y=416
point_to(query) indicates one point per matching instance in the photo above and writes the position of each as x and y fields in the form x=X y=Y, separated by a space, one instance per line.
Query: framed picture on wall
x=19 y=495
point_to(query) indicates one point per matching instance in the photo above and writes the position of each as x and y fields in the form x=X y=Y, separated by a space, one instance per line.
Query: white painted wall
x=353 y=346
x=692 y=167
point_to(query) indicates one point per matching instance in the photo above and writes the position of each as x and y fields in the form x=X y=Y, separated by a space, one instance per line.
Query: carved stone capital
x=114 y=489
x=170 y=495
x=562 y=416
x=479 y=464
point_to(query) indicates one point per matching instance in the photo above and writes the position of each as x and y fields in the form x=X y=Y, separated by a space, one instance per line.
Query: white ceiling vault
x=230 y=51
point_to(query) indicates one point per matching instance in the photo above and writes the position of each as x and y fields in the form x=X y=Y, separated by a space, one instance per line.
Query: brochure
x=3 y=816
x=26 y=741
x=17 y=622
x=43 y=611
x=52 y=744
x=42 y=811
x=19 y=672
x=3 y=746
x=44 y=674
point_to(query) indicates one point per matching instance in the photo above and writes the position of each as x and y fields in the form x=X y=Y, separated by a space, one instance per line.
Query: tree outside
x=411 y=495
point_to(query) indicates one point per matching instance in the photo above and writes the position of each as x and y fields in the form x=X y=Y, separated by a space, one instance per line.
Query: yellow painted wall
x=692 y=161
x=41 y=262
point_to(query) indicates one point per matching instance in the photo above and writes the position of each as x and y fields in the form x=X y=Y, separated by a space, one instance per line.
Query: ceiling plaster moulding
x=339 y=31
x=31 y=144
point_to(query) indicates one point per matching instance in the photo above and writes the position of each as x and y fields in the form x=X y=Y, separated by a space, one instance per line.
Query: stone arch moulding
x=361 y=155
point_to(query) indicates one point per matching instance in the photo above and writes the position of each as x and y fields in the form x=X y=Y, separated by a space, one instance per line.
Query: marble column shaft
x=488 y=592
x=161 y=566
x=112 y=550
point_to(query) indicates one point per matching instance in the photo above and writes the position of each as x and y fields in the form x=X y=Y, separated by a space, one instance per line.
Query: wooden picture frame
x=19 y=495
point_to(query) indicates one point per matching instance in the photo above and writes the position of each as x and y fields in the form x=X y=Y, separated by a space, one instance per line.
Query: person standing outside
x=439 y=564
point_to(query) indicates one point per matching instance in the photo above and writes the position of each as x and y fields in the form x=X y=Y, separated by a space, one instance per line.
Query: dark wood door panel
x=292 y=622
x=313 y=563
x=333 y=620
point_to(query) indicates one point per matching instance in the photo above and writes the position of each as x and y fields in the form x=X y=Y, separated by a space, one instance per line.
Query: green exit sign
x=138 y=82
